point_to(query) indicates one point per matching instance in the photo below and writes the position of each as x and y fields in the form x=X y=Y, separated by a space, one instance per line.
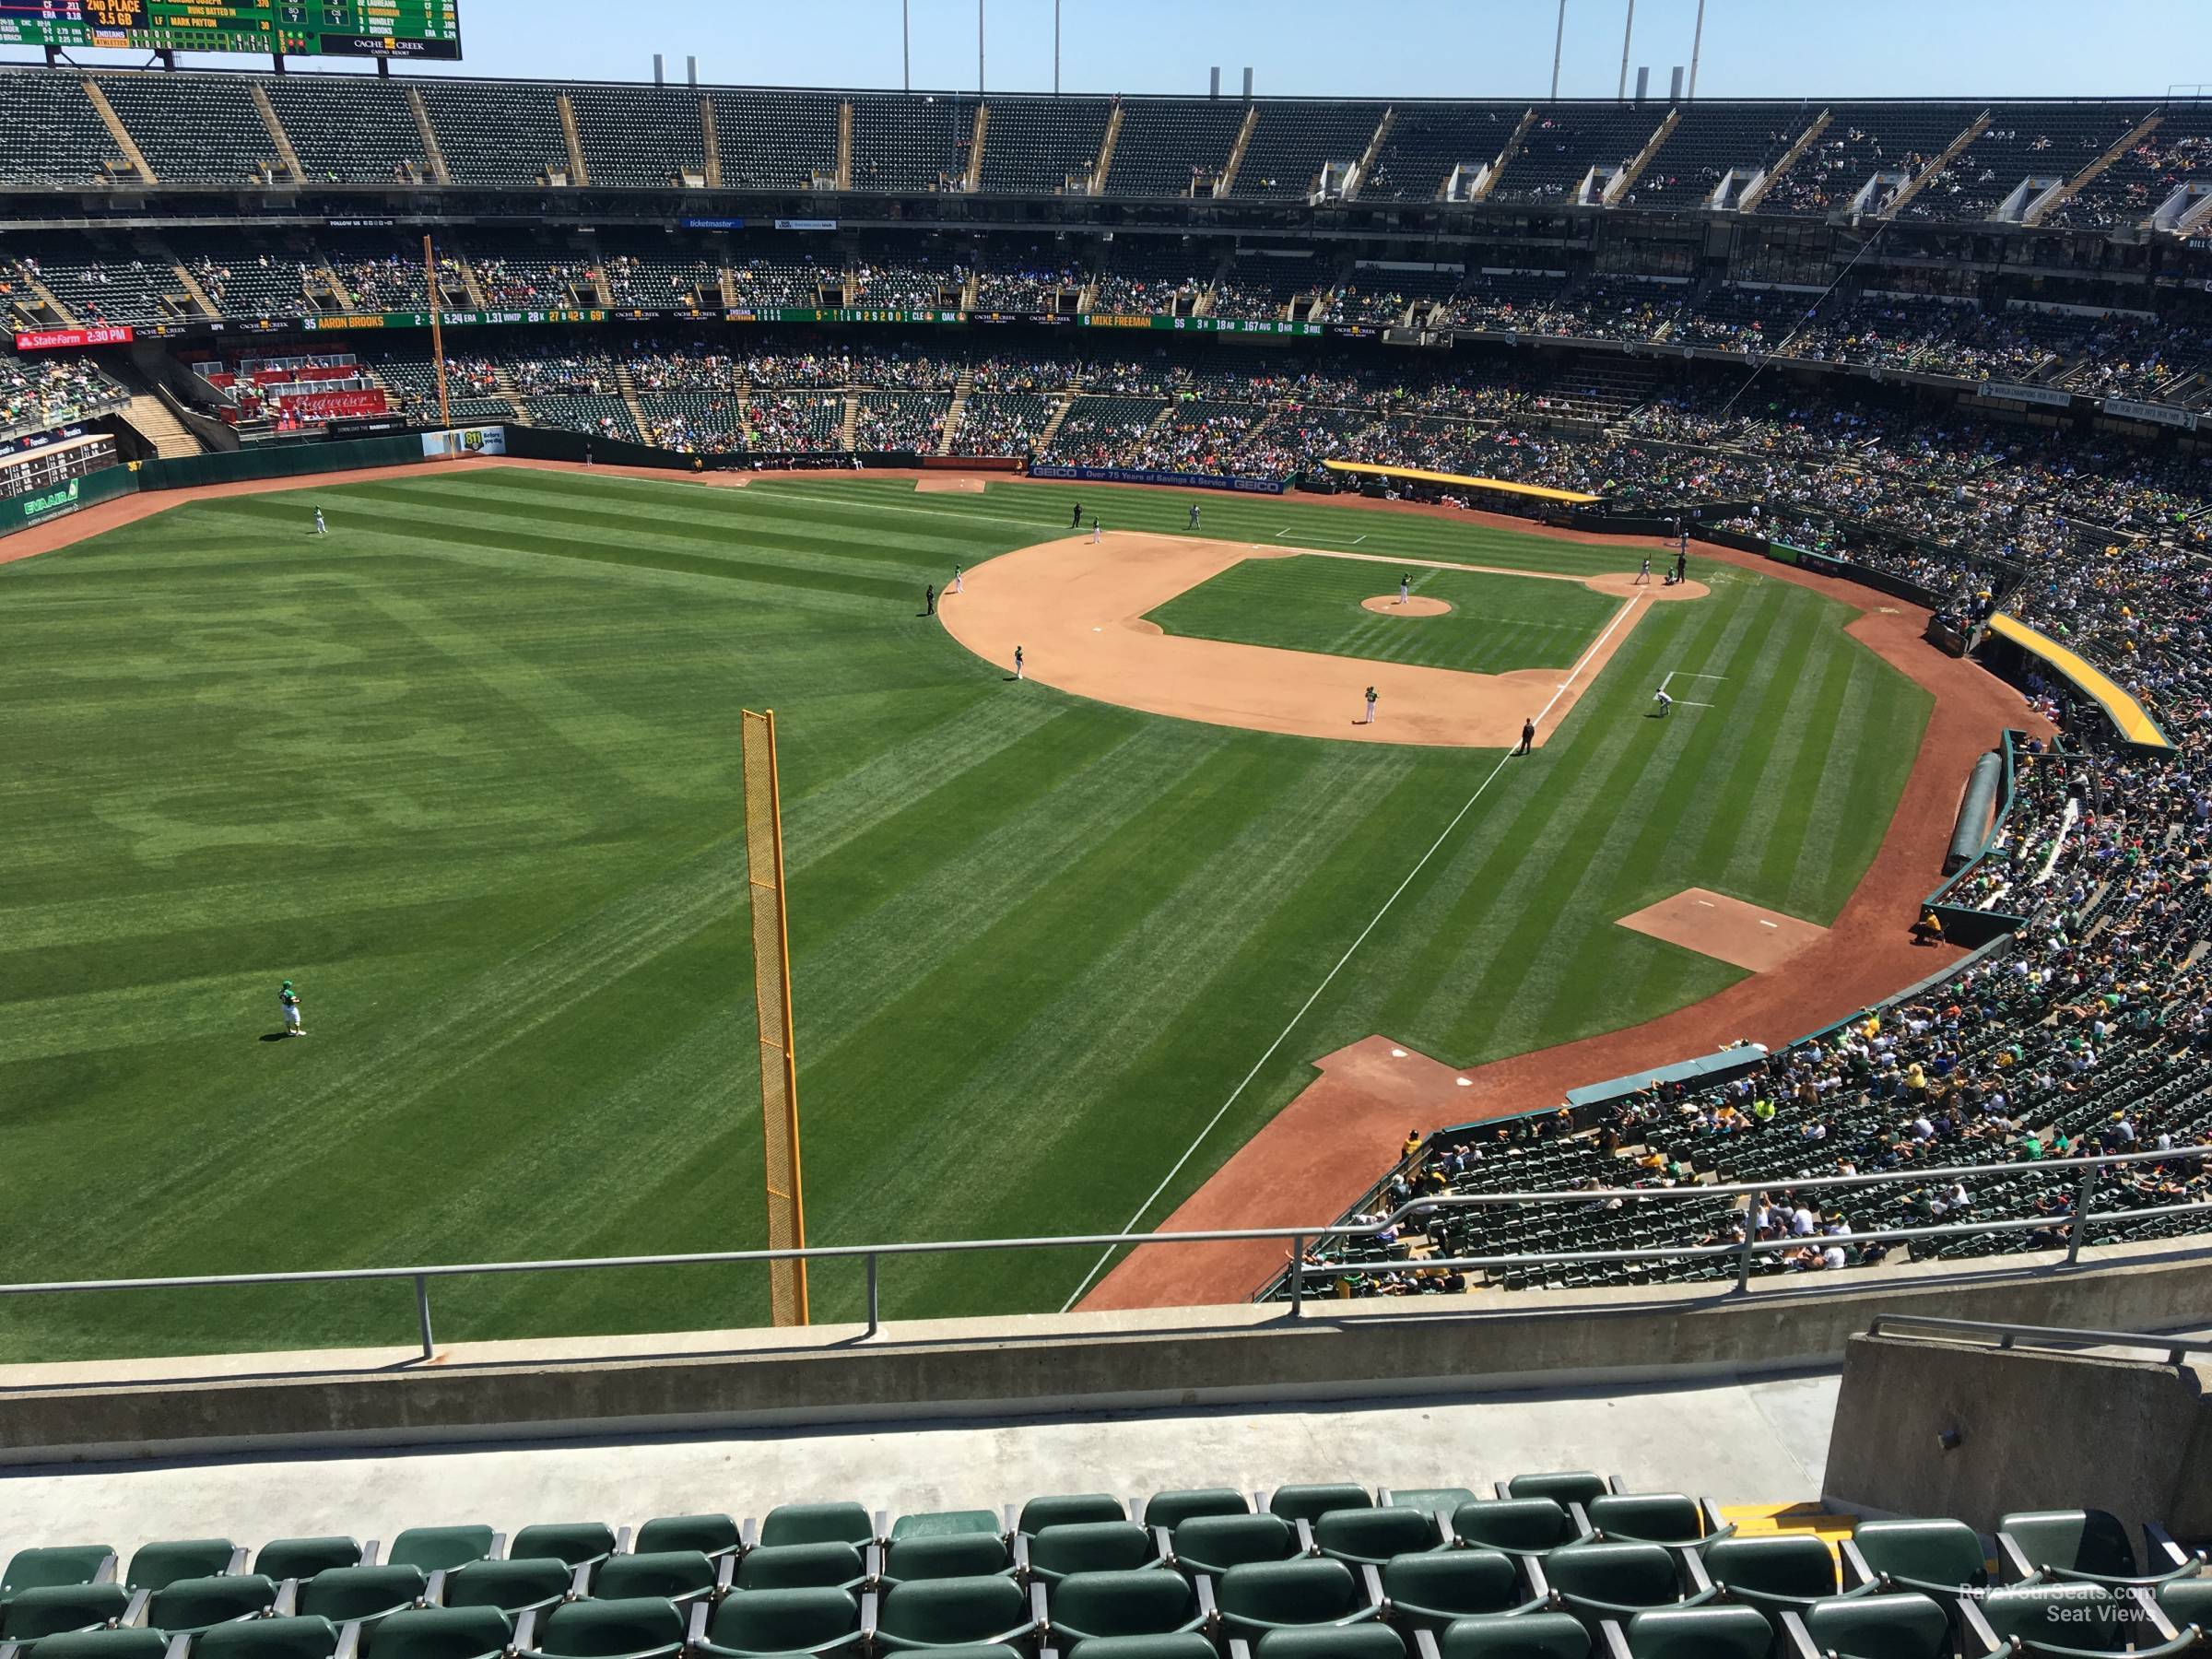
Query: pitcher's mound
x=1716 y=926
x=1387 y=603
x=949 y=486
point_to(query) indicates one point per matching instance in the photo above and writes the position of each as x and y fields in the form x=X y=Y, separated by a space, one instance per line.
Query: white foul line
x=1281 y=1036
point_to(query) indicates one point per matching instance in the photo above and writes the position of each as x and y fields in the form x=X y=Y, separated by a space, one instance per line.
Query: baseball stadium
x=1326 y=877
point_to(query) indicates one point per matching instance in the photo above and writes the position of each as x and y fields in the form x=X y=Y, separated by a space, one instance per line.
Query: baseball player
x=1370 y=706
x=321 y=528
x=1017 y=662
x=1528 y=737
x=1193 y=515
x=929 y=599
x=1405 y=587
x=1075 y=516
x=289 y=1000
x=1663 y=701
x=1095 y=537
x=957 y=581
x=1644 y=576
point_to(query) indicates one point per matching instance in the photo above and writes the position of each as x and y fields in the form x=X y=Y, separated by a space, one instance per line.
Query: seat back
x=1372 y=1639
x=53 y=1608
x=1700 y=1633
x=1122 y=1603
x=282 y=1558
x=135 y=1641
x=2058 y=1616
x=1287 y=1593
x=293 y=1638
x=835 y=1566
x=818 y=1523
x=54 y=1565
x=1562 y=1487
x=938 y=1523
x=1516 y=1636
x=1910 y=1626
x=1943 y=1555
x=942 y=1612
x=1786 y=1569
x=1523 y=1526
x=1444 y=1584
x=198 y=1602
x=1171 y=1510
x=343 y=1595
x=600 y=1630
x=1185 y=1645
x=1647 y=1517
x=576 y=1543
x=1072 y=1509
x=441 y=1633
x=1214 y=1544
x=513 y=1587
x=1375 y=1534
x=2088 y=1541
x=945 y=1554
x=1612 y=1580
x=710 y=1534
x=2188 y=1601
x=1089 y=1547
x=1311 y=1503
x=783 y=1621
x=675 y=1575
x=440 y=1549
x=157 y=1566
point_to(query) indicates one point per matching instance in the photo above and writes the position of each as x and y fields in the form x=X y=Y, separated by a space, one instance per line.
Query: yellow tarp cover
x=2125 y=712
x=1572 y=497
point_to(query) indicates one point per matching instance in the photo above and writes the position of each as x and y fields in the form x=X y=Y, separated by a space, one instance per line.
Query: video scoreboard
x=420 y=29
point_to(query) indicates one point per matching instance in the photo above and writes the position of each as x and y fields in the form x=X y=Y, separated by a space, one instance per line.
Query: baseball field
x=466 y=770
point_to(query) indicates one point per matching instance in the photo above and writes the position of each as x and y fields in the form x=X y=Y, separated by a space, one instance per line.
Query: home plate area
x=1716 y=926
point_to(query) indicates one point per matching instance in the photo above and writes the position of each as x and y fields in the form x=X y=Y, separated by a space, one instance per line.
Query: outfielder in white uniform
x=321 y=528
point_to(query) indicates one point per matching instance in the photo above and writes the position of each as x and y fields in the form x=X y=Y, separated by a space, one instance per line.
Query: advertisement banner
x=2158 y=414
x=322 y=406
x=1121 y=475
x=805 y=224
x=2016 y=393
x=1253 y=325
x=54 y=339
x=31 y=510
x=456 y=441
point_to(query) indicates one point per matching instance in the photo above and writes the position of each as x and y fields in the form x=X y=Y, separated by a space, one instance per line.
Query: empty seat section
x=648 y=136
x=1033 y=146
x=1295 y=138
x=351 y=129
x=194 y=129
x=773 y=140
x=496 y=133
x=1173 y=147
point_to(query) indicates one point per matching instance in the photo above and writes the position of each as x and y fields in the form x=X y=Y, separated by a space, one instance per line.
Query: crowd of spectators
x=39 y=393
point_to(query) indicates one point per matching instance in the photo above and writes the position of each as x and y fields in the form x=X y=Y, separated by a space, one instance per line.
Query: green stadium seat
x=1189 y=1645
x=1938 y=1558
x=1905 y=1626
x=2061 y=1619
x=441 y=1633
x=288 y=1638
x=56 y=1566
x=818 y=1523
x=2187 y=1601
x=944 y=1555
x=680 y=1576
x=200 y=1603
x=1437 y=1500
x=962 y=1612
x=1171 y=1510
x=752 y=1623
x=1090 y=1547
x=1331 y=1642
x=835 y=1566
x=574 y=1543
x=2086 y=1547
x=1700 y=1633
x=442 y=1548
x=945 y=1523
x=1311 y=1503
x=54 y=1609
x=157 y=1566
x=1520 y=1527
x=282 y=1558
x=1069 y=1509
x=1670 y=1518
x=713 y=1536
x=132 y=1641
x=1266 y=1595
x=1428 y=1591
x=1087 y=1607
x=1565 y=1486
x=351 y=1594
x=1512 y=1636
x=1213 y=1544
x=511 y=1587
x=1371 y=1536
x=643 y=1627
x=1597 y=1582
x=1787 y=1572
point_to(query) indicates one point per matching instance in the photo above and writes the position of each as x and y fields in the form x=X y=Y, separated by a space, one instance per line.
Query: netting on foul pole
x=771 y=1002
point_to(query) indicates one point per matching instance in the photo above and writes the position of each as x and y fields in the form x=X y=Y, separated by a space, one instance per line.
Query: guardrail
x=2079 y=1222
x=2175 y=1349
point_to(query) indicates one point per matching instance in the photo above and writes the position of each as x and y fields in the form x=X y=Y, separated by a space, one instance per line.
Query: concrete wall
x=1211 y=1355
x=2036 y=1430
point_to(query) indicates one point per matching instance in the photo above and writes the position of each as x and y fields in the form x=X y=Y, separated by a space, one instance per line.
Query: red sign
x=322 y=406
x=51 y=340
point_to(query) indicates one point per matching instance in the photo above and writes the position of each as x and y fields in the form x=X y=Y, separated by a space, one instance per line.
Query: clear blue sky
x=1437 y=48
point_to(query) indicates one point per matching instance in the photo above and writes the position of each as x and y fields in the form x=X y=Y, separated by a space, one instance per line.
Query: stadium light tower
x=1559 y=39
x=1627 y=29
x=1696 y=40
x=979 y=48
x=906 y=44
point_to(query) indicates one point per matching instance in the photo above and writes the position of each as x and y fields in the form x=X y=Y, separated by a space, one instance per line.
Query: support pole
x=1298 y=1277
x=1055 y=48
x=979 y=48
x=875 y=1301
x=1627 y=29
x=1559 y=39
x=430 y=279
x=422 y=1314
x=1696 y=40
x=906 y=46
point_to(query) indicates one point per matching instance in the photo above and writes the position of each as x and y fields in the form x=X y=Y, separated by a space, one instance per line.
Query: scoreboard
x=423 y=29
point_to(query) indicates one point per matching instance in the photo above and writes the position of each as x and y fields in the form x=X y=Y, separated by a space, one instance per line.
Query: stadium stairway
x=2073 y=186
x=1806 y=140
x=151 y=420
x=121 y=134
x=1935 y=169
x=848 y=428
x=627 y=385
x=277 y=135
x=1065 y=401
x=956 y=412
x=432 y=151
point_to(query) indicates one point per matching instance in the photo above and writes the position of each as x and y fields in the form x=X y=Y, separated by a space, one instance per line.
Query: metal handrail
x=2056 y=1336
x=2078 y=1222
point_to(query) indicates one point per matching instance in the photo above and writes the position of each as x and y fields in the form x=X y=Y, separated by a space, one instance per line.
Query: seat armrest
x=349 y=1641
x=433 y=1590
x=1424 y=1644
x=1612 y=1641
x=368 y=1552
x=1693 y=1569
x=2148 y=1612
x=1306 y=1546
x=1163 y=1545
x=2013 y=1566
x=1539 y=1587
x=867 y=1618
x=105 y=1572
x=498 y=1552
x=1021 y=1557
x=1497 y=1489
x=579 y=1584
x=883 y=1527
x=1237 y=1649
x=696 y=1632
x=1717 y=1526
x=1855 y=1574
x=1372 y=1581
x=1796 y=1641
x=1203 y=1588
x=749 y=1535
x=621 y=1540
x=180 y=1647
x=871 y=1565
x=526 y=1631
x=287 y=1599
x=1007 y=1514
x=2166 y=1556
x=1040 y=1621
x=1975 y=1637
x=1579 y=1518
x=238 y=1563
x=726 y=1574
x=9 y=1650
x=135 y=1615
x=1615 y=1486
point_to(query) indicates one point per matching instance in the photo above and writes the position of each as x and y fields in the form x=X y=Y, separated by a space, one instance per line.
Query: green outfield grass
x=466 y=771
x=1496 y=623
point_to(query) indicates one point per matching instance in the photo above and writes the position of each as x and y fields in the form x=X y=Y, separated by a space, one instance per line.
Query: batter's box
x=1706 y=682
